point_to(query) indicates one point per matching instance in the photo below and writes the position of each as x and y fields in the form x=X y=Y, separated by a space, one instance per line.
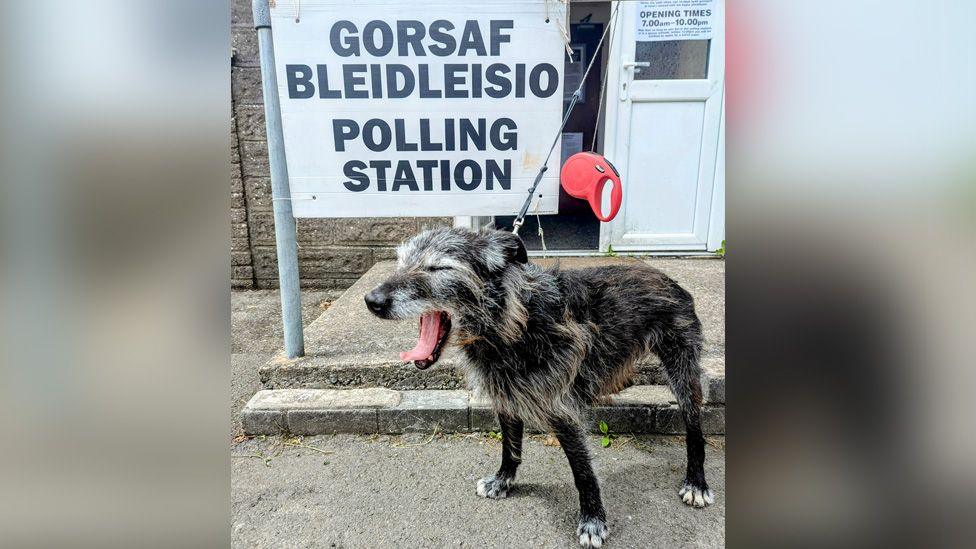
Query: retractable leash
x=585 y=174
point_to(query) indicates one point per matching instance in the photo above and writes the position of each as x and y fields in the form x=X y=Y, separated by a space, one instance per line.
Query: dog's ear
x=505 y=248
x=514 y=248
x=521 y=255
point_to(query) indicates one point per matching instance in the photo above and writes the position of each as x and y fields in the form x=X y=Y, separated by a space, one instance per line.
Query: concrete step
x=637 y=409
x=348 y=347
x=445 y=375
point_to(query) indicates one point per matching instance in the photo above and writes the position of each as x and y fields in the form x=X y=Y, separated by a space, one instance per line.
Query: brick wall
x=332 y=253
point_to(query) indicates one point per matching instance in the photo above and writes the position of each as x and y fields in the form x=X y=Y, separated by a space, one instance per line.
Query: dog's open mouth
x=434 y=329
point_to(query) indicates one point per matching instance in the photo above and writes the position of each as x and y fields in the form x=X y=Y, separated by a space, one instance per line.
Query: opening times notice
x=659 y=20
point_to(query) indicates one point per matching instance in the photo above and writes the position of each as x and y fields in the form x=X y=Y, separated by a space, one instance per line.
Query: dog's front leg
x=497 y=485
x=592 y=529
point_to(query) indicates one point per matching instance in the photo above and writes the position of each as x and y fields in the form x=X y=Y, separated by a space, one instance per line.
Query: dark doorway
x=575 y=227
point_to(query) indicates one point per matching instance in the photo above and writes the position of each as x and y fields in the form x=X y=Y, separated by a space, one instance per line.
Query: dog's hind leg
x=681 y=364
x=592 y=529
x=498 y=485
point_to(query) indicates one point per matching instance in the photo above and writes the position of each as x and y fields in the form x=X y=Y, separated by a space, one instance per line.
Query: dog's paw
x=494 y=487
x=592 y=532
x=696 y=496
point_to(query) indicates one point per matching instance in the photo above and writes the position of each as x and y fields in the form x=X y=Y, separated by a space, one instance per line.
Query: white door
x=663 y=127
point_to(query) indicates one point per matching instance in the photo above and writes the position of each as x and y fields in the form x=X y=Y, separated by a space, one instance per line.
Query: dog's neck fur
x=508 y=303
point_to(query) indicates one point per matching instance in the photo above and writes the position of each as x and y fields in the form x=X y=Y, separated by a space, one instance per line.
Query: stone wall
x=332 y=253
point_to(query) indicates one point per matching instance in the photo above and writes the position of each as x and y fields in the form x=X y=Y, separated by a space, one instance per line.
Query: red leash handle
x=585 y=174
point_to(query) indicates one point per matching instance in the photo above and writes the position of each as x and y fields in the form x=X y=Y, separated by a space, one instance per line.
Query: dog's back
x=581 y=333
x=631 y=310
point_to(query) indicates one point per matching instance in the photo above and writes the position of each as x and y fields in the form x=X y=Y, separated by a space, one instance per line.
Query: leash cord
x=603 y=83
x=520 y=218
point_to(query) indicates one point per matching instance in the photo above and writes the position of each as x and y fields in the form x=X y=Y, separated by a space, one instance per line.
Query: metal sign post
x=291 y=299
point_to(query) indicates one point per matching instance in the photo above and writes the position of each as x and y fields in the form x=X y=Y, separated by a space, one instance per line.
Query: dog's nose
x=377 y=301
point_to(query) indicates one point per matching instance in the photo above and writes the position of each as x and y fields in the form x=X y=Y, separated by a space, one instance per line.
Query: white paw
x=696 y=497
x=494 y=487
x=592 y=532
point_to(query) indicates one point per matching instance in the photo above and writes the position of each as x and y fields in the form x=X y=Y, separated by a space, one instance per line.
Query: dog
x=544 y=344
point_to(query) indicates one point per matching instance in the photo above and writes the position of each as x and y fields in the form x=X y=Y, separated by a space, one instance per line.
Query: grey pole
x=291 y=299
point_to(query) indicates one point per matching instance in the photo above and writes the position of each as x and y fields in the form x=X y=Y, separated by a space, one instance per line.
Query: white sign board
x=659 y=20
x=397 y=108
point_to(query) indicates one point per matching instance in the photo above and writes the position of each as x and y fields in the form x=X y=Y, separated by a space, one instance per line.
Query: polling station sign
x=397 y=108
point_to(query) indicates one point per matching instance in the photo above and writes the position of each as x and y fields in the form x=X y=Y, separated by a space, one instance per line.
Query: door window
x=672 y=60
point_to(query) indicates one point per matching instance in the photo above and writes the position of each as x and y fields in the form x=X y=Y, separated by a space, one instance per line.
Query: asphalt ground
x=419 y=491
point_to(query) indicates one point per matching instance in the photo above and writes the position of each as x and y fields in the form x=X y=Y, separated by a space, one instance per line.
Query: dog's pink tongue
x=430 y=327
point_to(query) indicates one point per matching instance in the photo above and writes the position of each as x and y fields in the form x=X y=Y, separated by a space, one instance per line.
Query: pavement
x=418 y=489
x=256 y=335
x=351 y=491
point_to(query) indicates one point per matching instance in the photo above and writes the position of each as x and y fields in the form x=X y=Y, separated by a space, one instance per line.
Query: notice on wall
x=572 y=143
x=408 y=109
x=573 y=76
x=659 y=20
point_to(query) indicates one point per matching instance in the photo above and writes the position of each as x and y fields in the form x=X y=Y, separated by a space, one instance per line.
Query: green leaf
x=604 y=428
x=605 y=442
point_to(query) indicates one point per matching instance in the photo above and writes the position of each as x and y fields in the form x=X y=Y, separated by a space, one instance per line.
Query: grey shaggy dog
x=544 y=344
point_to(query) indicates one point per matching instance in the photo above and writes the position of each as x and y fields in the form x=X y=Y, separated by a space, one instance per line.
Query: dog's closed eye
x=434 y=268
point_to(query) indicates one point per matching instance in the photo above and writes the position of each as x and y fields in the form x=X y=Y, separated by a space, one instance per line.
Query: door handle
x=627 y=75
